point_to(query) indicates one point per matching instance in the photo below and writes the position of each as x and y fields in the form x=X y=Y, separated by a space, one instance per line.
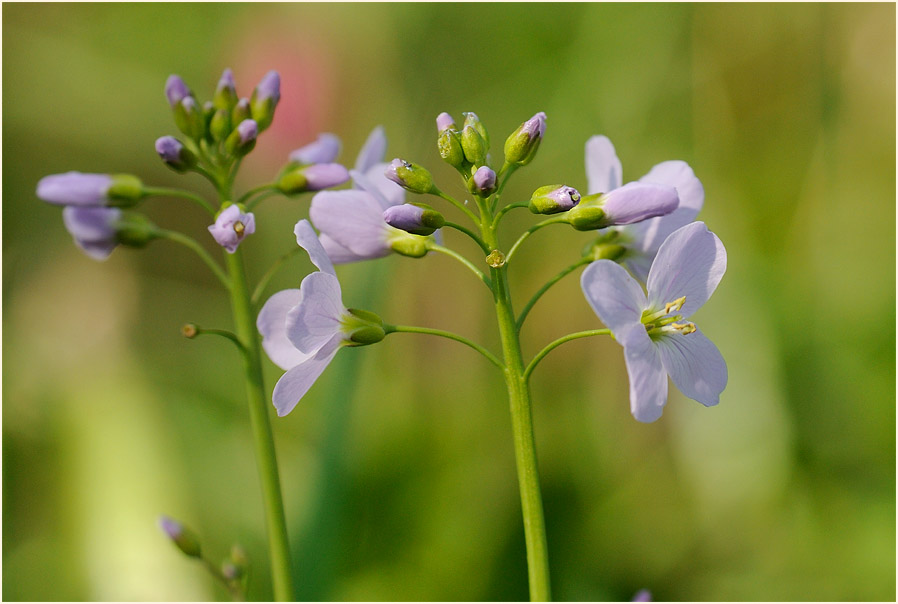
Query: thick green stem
x=266 y=459
x=524 y=443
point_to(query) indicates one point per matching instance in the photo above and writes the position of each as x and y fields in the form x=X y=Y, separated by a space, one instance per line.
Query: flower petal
x=294 y=384
x=337 y=253
x=374 y=181
x=308 y=240
x=354 y=219
x=689 y=263
x=272 y=324
x=652 y=233
x=603 y=169
x=695 y=366
x=373 y=150
x=317 y=317
x=648 y=379
x=613 y=294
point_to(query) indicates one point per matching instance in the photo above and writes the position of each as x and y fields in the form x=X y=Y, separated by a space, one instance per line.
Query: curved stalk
x=445 y=250
x=573 y=336
x=529 y=232
x=200 y=251
x=446 y=334
x=166 y=192
x=545 y=288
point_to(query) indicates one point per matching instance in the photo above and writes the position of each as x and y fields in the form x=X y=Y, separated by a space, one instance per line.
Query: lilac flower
x=93 y=229
x=303 y=329
x=651 y=327
x=637 y=201
x=323 y=151
x=75 y=188
x=231 y=227
x=418 y=219
x=351 y=222
x=176 y=89
x=642 y=240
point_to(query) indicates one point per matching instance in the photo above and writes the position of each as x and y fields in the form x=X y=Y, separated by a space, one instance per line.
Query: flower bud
x=415 y=218
x=135 y=230
x=553 y=199
x=265 y=98
x=312 y=178
x=241 y=112
x=124 y=191
x=521 y=146
x=363 y=327
x=445 y=122
x=175 y=155
x=449 y=144
x=473 y=145
x=231 y=226
x=175 y=90
x=189 y=118
x=406 y=244
x=472 y=120
x=242 y=140
x=225 y=96
x=323 y=151
x=231 y=571
x=75 y=188
x=220 y=125
x=638 y=201
x=184 y=538
x=411 y=177
x=586 y=217
x=483 y=182
x=93 y=229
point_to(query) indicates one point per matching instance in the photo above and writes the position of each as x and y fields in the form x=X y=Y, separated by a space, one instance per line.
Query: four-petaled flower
x=651 y=327
x=93 y=229
x=642 y=240
x=302 y=329
x=231 y=227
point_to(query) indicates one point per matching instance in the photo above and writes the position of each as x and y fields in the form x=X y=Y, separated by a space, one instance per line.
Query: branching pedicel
x=645 y=226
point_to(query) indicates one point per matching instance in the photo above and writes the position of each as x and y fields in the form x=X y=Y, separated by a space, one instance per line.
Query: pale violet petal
x=649 y=235
x=638 y=263
x=354 y=219
x=689 y=263
x=695 y=366
x=613 y=294
x=317 y=317
x=373 y=150
x=272 y=324
x=308 y=240
x=337 y=253
x=648 y=379
x=393 y=194
x=294 y=384
x=603 y=169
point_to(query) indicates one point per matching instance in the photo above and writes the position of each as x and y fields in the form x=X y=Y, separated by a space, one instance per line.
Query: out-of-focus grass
x=397 y=467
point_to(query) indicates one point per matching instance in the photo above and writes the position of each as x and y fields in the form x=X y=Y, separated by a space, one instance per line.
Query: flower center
x=239 y=228
x=661 y=322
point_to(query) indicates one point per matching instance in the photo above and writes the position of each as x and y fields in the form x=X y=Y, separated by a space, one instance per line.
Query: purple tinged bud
x=93 y=229
x=418 y=219
x=241 y=111
x=181 y=536
x=553 y=199
x=174 y=154
x=638 y=201
x=227 y=80
x=248 y=131
x=75 y=188
x=409 y=176
x=176 y=89
x=269 y=87
x=445 y=122
x=484 y=181
x=231 y=227
x=323 y=176
x=643 y=595
x=322 y=151
x=521 y=146
x=242 y=140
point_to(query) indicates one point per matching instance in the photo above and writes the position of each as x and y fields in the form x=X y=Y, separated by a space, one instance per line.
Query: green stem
x=545 y=288
x=266 y=458
x=469 y=233
x=191 y=243
x=529 y=232
x=445 y=250
x=260 y=189
x=573 y=336
x=166 y=192
x=524 y=443
x=458 y=205
x=506 y=209
x=200 y=331
x=262 y=197
x=446 y=334
x=266 y=278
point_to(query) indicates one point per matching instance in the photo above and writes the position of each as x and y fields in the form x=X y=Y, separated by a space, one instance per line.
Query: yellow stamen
x=239 y=228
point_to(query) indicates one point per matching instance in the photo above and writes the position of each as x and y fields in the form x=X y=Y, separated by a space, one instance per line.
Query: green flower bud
x=406 y=244
x=521 y=146
x=363 y=327
x=225 y=93
x=553 y=199
x=449 y=144
x=189 y=118
x=220 y=125
x=473 y=145
x=242 y=140
x=472 y=120
x=586 y=218
x=241 y=112
x=124 y=191
x=181 y=536
x=135 y=230
x=409 y=176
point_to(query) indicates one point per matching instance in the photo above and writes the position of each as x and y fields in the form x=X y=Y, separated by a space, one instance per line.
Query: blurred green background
x=398 y=466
